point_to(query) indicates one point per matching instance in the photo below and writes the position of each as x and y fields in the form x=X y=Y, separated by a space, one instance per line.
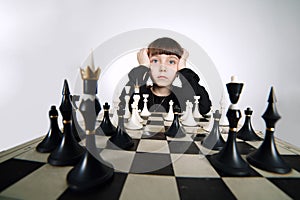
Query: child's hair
x=166 y=46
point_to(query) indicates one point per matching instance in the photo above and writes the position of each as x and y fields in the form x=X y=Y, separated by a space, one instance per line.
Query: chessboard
x=155 y=167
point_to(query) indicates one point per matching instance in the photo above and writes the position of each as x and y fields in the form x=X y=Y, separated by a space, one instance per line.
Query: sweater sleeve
x=190 y=80
x=138 y=75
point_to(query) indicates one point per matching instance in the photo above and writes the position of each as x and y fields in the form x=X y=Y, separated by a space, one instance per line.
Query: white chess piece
x=189 y=120
x=136 y=99
x=184 y=116
x=223 y=119
x=170 y=115
x=196 y=112
x=115 y=117
x=127 y=98
x=145 y=112
x=133 y=123
x=149 y=82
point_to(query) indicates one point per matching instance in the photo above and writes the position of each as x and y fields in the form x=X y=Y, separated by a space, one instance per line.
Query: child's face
x=163 y=69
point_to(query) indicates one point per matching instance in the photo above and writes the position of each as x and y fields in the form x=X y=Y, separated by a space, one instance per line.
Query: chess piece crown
x=89 y=73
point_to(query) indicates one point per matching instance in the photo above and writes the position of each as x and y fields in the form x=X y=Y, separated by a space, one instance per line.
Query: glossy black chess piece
x=106 y=127
x=69 y=152
x=267 y=157
x=229 y=160
x=176 y=130
x=92 y=171
x=54 y=135
x=247 y=132
x=121 y=138
x=214 y=140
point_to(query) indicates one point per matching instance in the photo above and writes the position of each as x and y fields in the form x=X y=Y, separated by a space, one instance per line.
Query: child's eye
x=172 y=62
x=154 y=61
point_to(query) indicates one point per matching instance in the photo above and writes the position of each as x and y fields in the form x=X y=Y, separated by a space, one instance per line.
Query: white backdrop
x=44 y=42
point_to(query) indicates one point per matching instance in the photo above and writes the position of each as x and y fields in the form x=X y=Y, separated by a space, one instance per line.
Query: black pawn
x=54 y=135
x=121 y=138
x=106 y=126
x=214 y=140
x=69 y=152
x=91 y=171
x=175 y=130
x=247 y=133
x=266 y=157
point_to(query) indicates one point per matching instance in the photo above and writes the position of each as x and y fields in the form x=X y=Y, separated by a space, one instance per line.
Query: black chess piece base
x=247 y=132
x=214 y=140
x=267 y=157
x=89 y=173
x=121 y=138
x=176 y=130
x=229 y=161
x=54 y=135
x=69 y=152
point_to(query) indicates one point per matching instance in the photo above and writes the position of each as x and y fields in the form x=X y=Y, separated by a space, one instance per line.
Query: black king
x=92 y=170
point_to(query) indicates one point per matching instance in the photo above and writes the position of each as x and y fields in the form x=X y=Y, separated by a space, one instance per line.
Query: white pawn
x=145 y=112
x=189 y=121
x=184 y=116
x=133 y=123
x=170 y=115
x=196 y=112
x=127 y=98
x=136 y=99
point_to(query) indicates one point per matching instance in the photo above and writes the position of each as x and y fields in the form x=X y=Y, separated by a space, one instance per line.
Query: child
x=164 y=61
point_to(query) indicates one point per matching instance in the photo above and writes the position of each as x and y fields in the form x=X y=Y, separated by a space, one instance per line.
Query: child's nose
x=162 y=68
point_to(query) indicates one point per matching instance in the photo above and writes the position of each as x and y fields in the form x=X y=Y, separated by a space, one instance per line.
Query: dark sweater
x=179 y=95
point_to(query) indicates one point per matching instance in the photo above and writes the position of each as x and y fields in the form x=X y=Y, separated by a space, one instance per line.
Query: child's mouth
x=162 y=77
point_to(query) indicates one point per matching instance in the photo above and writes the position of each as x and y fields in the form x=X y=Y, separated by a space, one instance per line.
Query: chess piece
x=185 y=113
x=246 y=132
x=69 y=152
x=196 y=112
x=214 y=140
x=114 y=119
x=229 y=160
x=175 y=130
x=54 y=135
x=170 y=115
x=136 y=94
x=92 y=170
x=106 y=127
x=267 y=157
x=121 y=138
x=145 y=112
x=223 y=119
x=127 y=98
x=134 y=122
x=136 y=99
x=189 y=119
